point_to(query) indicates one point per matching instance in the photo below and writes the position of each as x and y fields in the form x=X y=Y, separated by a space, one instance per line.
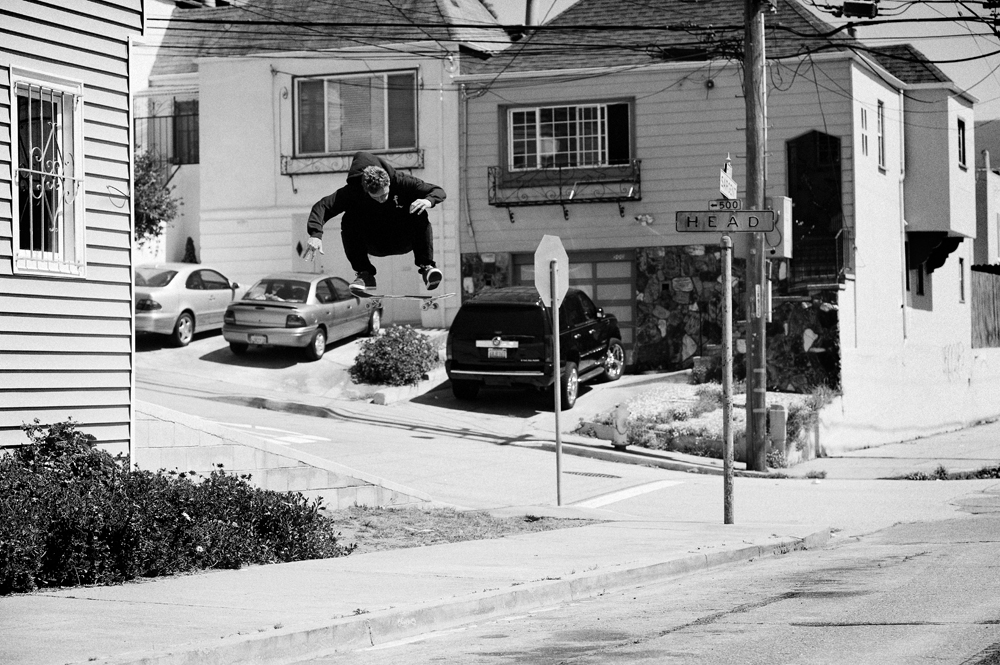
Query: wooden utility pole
x=754 y=91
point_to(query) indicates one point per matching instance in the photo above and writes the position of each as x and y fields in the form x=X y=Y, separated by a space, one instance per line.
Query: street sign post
x=552 y=282
x=729 y=221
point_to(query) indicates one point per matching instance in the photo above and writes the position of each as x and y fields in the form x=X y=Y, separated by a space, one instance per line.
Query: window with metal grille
x=584 y=135
x=48 y=193
x=338 y=114
x=186 y=146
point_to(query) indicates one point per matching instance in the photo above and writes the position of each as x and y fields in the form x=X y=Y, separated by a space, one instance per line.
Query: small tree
x=154 y=206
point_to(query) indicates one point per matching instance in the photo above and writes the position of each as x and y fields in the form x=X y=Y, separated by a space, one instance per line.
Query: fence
x=985 y=310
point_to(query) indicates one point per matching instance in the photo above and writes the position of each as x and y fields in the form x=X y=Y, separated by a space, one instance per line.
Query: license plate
x=496 y=353
x=258 y=339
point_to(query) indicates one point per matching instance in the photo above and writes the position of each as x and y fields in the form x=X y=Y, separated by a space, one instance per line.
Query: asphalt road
x=911 y=593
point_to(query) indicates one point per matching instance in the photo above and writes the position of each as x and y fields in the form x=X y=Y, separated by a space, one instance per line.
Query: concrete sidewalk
x=288 y=612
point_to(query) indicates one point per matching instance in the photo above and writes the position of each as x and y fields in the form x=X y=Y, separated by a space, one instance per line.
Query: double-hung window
x=47 y=137
x=571 y=136
x=339 y=114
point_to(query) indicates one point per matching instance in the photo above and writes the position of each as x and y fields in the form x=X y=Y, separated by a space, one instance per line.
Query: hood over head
x=365 y=159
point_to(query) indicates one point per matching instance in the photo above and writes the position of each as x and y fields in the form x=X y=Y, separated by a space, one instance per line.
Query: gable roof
x=274 y=26
x=603 y=31
x=908 y=64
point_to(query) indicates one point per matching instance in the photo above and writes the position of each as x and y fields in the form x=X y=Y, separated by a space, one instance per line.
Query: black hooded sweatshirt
x=362 y=211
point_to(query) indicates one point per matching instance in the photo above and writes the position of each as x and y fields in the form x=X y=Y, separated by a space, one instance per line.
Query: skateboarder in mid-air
x=385 y=213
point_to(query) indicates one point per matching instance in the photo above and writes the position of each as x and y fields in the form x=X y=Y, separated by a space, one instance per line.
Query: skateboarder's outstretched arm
x=322 y=211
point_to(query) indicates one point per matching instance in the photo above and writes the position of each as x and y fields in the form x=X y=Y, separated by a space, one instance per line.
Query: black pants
x=363 y=238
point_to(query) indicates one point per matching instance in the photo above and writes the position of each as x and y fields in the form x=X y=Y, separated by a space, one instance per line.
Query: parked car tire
x=183 y=330
x=569 y=386
x=317 y=346
x=375 y=322
x=464 y=389
x=614 y=361
x=238 y=348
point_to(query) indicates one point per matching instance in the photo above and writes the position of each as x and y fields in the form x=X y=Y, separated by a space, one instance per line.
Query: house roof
x=269 y=26
x=686 y=30
x=908 y=64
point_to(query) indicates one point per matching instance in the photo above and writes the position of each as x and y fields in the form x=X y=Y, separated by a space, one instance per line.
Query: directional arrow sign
x=727 y=186
x=731 y=221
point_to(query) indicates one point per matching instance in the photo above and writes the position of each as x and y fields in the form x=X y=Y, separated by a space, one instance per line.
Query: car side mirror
x=234 y=286
x=600 y=312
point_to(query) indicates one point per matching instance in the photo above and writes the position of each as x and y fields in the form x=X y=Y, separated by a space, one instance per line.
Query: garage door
x=607 y=277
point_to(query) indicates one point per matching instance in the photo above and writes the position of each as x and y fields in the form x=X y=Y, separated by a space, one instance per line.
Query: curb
x=362 y=631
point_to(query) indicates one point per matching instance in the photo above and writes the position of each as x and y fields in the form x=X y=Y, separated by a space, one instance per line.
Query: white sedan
x=180 y=299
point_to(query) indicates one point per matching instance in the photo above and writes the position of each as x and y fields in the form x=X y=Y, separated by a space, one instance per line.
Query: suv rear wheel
x=464 y=389
x=569 y=386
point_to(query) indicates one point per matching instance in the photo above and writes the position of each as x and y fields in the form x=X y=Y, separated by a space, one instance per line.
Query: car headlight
x=295 y=321
x=147 y=305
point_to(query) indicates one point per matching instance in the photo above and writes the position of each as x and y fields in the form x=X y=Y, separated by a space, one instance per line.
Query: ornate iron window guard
x=604 y=184
x=823 y=261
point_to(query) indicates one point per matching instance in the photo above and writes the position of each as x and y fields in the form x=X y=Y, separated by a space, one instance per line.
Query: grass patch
x=941 y=473
x=377 y=529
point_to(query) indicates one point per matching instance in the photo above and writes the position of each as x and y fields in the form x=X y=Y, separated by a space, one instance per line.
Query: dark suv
x=503 y=337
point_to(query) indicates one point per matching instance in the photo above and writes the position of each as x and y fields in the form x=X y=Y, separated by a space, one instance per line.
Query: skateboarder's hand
x=420 y=205
x=315 y=244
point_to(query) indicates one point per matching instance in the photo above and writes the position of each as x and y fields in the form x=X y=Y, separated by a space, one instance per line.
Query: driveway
x=488 y=453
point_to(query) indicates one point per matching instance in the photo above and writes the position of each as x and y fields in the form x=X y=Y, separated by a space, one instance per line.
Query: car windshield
x=282 y=290
x=486 y=321
x=153 y=276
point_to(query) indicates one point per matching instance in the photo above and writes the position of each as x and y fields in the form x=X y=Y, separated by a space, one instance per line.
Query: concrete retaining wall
x=166 y=439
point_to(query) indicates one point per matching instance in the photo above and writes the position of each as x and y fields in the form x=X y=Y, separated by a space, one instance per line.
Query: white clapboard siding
x=110 y=435
x=682 y=134
x=66 y=343
x=58 y=361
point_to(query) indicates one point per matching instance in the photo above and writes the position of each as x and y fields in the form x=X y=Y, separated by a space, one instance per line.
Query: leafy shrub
x=804 y=415
x=72 y=514
x=775 y=459
x=399 y=357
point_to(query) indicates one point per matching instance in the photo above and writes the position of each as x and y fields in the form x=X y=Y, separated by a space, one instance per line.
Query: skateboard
x=375 y=299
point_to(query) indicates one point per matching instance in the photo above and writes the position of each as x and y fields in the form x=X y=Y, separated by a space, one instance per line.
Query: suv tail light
x=294 y=321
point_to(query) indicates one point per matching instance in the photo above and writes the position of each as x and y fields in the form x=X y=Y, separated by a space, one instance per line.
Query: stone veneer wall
x=678 y=305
